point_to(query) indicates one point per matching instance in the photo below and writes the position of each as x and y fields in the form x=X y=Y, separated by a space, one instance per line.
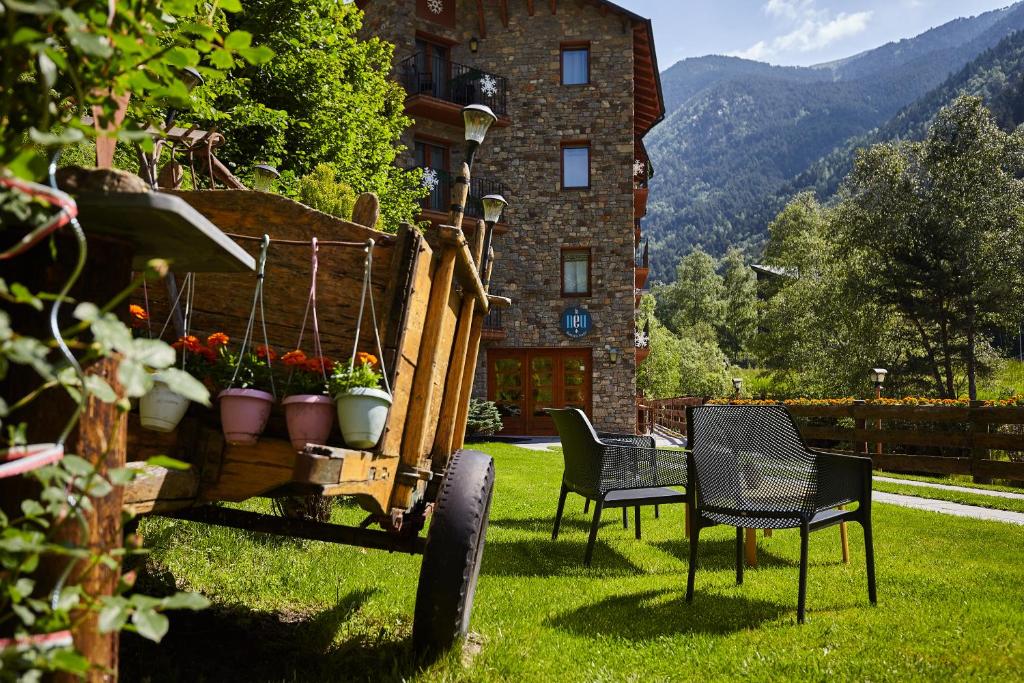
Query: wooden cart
x=431 y=300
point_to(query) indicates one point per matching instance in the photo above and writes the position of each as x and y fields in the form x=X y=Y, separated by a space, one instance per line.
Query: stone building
x=575 y=85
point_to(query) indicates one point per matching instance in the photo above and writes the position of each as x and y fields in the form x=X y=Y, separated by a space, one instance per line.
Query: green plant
x=65 y=59
x=253 y=369
x=357 y=375
x=304 y=374
x=484 y=419
x=321 y=190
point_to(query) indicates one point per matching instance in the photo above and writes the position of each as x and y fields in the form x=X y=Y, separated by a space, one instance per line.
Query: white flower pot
x=162 y=409
x=362 y=414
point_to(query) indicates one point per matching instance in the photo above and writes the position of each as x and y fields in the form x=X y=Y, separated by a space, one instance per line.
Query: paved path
x=947 y=508
x=949 y=487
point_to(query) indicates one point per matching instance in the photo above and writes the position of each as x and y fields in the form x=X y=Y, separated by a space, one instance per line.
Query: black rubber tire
x=451 y=559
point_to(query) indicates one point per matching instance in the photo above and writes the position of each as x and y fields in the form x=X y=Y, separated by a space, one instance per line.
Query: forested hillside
x=741 y=136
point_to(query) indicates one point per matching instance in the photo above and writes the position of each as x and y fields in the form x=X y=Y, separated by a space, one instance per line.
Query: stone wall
x=526 y=156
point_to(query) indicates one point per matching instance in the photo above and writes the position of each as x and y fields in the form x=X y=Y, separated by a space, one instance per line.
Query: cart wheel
x=451 y=559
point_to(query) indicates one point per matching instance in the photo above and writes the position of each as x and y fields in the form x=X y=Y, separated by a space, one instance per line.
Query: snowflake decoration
x=430 y=179
x=489 y=85
x=639 y=168
x=642 y=340
x=435 y=6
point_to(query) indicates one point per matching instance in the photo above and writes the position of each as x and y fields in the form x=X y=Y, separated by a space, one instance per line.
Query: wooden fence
x=981 y=441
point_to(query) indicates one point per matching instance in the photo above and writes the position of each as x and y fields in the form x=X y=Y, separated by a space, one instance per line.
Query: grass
x=951 y=480
x=293 y=610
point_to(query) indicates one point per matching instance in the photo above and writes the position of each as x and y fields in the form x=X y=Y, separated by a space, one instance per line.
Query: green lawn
x=979 y=499
x=290 y=610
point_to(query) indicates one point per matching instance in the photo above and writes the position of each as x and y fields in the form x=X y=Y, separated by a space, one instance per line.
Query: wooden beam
x=554 y=6
x=466 y=270
x=158 y=489
x=504 y=12
x=480 y=18
x=529 y=7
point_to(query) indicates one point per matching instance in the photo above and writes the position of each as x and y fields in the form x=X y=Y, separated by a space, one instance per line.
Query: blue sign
x=576 y=322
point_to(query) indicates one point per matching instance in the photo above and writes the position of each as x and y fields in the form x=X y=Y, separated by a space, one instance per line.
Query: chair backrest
x=581 y=449
x=750 y=458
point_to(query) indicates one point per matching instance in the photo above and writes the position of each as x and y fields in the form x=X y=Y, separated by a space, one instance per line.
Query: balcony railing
x=440 y=183
x=494 y=325
x=453 y=82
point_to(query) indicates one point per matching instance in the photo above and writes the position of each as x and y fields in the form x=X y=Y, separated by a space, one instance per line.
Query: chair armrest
x=641 y=441
x=842 y=478
x=630 y=467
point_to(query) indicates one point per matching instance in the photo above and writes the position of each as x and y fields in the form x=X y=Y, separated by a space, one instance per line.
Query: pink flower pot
x=310 y=419
x=244 y=414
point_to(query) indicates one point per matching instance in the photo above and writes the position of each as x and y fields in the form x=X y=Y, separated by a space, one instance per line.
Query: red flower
x=318 y=365
x=189 y=343
x=294 y=358
x=138 y=315
x=218 y=339
x=265 y=352
x=209 y=354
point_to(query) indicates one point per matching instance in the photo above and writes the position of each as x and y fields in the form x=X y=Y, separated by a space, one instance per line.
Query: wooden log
x=978 y=452
x=465 y=265
x=897 y=437
x=1000 y=469
x=367 y=210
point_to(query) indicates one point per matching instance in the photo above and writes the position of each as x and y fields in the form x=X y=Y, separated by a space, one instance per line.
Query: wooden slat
x=1000 y=469
x=446 y=341
x=465 y=266
x=906 y=437
x=1000 y=442
x=922 y=463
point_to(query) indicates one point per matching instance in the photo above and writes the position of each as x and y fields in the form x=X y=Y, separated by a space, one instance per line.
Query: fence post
x=860 y=424
x=978 y=454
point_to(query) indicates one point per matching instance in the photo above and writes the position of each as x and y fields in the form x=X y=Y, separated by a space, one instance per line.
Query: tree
x=739 y=322
x=678 y=365
x=326 y=97
x=693 y=303
x=937 y=229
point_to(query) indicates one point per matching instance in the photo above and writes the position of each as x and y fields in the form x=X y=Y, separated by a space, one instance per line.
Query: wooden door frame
x=526 y=356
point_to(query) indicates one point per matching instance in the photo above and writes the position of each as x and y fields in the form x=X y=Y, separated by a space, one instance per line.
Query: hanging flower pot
x=362 y=414
x=161 y=409
x=310 y=418
x=244 y=414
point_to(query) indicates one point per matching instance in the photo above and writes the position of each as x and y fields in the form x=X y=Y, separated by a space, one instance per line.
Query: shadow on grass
x=580 y=523
x=544 y=557
x=235 y=643
x=659 y=613
x=720 y=554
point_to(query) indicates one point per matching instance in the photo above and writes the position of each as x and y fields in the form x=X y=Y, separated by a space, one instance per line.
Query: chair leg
x=636 y=521
x=694 y=537
x=625 y=518
x=558 y=513
x=586 y=506
x=869 y=553
x=593 y=531
x=656 y=512
x=801 y=604
x=739 y=556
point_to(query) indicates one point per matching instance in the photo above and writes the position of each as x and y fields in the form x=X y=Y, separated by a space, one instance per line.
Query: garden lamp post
x=737 y=385
x=191 y=78
x=494 y=204
x=878 y=377
x=265 y=177
x=478 y=119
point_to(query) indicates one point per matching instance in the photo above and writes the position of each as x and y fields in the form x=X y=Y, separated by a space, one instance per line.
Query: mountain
x=742 y=135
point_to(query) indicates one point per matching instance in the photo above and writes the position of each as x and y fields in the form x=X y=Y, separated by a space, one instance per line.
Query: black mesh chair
x=614 y=470
x=749 y=468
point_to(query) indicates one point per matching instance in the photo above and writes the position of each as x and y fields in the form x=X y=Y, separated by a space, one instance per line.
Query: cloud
x=813 y=28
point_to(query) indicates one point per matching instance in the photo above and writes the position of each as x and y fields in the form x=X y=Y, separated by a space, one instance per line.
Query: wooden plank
x=446 y=340
x=999 y=442
x=999 y=469
x=475 y=335
x=482 y=21
x=750 y=550
x=158 y=489
x=248 y=471
x=902 y=437
x=998 y=415
x=922 y=463
x=454 y=398
x=430 y=358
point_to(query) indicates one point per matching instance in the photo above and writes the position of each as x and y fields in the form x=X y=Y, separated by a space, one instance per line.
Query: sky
x=792 y=32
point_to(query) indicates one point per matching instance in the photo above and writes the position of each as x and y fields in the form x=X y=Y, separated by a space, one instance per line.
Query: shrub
x=322 y=191
x=484 y=418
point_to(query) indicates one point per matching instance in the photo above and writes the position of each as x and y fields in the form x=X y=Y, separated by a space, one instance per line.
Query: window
x=576 y=272
x=575 y=64
x=433 y=68
x=576 y=165
x=433 y=156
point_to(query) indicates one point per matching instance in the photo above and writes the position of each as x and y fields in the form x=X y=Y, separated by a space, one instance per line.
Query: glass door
x=508 y=392
x=543 y=376
x=433 y=67
x=526 y=382
x=434 y=157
